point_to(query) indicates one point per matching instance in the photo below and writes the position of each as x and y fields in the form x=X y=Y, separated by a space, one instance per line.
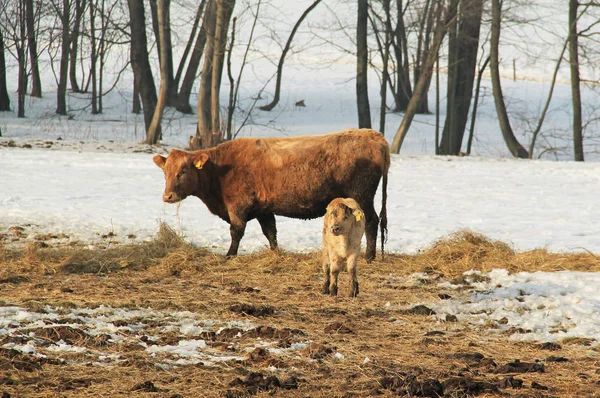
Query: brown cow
x=343 y=229
x=296 y=177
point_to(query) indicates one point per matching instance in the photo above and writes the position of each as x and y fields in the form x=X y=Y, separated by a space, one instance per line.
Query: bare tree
x=515 y=148
x=209 y=131
x=140 y=62
x=36 y=83
x=80 y=6
x=153 y=133
x=61 y=91
x=183 y=98
x=4 y=98
x=287 y=47
x=362 y=54
x=463 y=44
x=13 y=26
x=441 y=26
x=575 y=81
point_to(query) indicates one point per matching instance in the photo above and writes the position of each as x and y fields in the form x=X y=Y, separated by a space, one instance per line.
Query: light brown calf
x=343 y=229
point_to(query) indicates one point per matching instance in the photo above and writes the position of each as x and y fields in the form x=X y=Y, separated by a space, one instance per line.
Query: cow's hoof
x=325 y=290
x=333 y=291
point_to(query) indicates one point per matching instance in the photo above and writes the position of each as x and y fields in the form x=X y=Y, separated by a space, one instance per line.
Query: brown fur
x=297 y=177
x=343 y=229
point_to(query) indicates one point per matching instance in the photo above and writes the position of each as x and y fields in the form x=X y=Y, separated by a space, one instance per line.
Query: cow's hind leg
x=372 y=222
x=269 y=228
x=237 y=227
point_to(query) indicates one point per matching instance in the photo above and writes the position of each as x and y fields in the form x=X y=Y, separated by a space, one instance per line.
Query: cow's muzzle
x=171 y=197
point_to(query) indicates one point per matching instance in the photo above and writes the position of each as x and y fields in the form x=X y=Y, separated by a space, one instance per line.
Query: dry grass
x=170 y=275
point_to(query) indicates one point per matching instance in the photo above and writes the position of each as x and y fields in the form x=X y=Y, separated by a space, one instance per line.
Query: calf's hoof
x=354 y=290
x=325 y=289
x=333 y=290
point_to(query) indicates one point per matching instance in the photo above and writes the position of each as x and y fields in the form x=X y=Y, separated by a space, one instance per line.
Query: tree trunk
x=183 y=98
x=156 y=9
x=79 y=10
x=36 y=83
x=188 y=46
x=362 y=55
x=209 y=131
x=423 y=82
x=153 y=133
x=288 y=44
x=21 y=60
x=139 y=60
x=4 y=98
x=462 y=63
x=575 y=82
x=423 y=43
x=385 y=77
x=61 y=92
x=476 y=104
x=403 y=92
x=136 y=107
x=515 y=148
x=93 y=59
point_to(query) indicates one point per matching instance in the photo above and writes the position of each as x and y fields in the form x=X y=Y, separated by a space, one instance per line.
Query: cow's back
x=298 y=177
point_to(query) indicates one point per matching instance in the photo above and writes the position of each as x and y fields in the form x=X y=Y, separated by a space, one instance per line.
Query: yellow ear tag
x=198 y=164
x=358 y=214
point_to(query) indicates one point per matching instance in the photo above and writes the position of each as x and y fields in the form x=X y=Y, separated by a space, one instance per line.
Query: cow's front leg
x=269 y=228
x=237 y=228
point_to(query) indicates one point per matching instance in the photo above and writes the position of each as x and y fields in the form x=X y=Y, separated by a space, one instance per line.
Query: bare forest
x=199 y=58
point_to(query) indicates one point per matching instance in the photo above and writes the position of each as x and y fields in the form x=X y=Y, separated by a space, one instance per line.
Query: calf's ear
x=159 y=160
x=200 y=159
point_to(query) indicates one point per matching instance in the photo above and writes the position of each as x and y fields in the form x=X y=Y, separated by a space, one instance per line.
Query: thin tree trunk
x=22 y=61
x=183 y=99
x=188 y=46
x=153 y=133
x=404 y=90
x=139 y=60
x=476 y=104
x=204 y=129
x=385 y=77
x=61 y=92
x=575 y=82
x=424 y=78
x=547 y=105
x=515 y=148
x=275 y=100
x=136 y=106
x=4 y=98
x=362 y=54
x=230 y=107
x=437 y=106
x=79 y=10
x=93 y=58
x=36 y=83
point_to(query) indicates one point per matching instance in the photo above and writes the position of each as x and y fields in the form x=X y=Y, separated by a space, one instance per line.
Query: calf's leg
x=326 y=280
x=351 y=266
x=269 y=228
x=334 y=270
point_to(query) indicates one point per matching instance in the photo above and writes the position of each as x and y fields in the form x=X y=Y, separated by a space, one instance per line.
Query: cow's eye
x=181 y=173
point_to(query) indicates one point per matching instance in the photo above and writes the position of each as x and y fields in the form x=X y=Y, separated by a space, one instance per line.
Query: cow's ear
x=200 y=160
x=160 y=161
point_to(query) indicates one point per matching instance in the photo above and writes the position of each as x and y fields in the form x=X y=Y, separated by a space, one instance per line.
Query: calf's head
x=340 y=217
x=181 y=173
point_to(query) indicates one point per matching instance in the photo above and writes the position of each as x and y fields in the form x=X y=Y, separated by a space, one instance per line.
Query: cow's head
x=181 y=173
x=341 y=216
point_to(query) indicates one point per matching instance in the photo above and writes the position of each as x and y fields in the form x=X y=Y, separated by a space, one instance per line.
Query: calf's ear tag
x=199 y=164
x=358 y=215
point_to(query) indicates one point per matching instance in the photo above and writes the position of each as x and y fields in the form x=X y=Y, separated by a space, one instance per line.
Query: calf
x=343 y=229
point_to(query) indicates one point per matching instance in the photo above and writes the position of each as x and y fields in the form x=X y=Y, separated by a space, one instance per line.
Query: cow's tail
x=383 y=214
